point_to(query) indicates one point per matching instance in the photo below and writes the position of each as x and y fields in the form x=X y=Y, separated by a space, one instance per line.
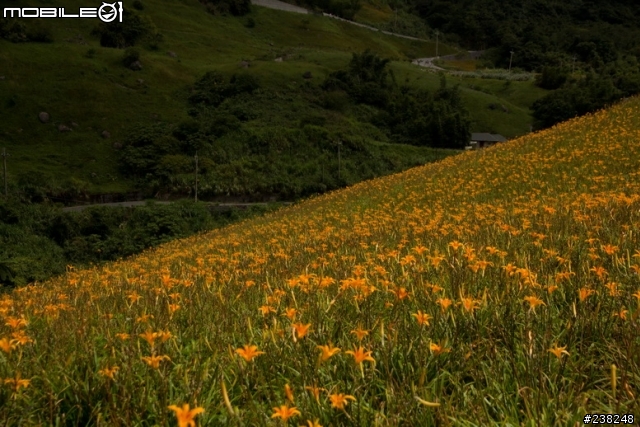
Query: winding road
x=423 y=62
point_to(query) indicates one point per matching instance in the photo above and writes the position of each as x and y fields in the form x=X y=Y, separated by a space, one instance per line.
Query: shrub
x=221 y=124
x=551 y=78
x=242 y=83
x=39 y=31
x=224 y=7
x=13 y=30
x=176 y=163
x=138 y=5
x=211 y=89
x=336 y=100
x=130 y=31
x=130 y=56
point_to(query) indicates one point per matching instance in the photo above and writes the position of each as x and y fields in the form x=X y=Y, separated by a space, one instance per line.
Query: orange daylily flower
x=315 y=391
x=185 y=415
x=108 y=372
x=288 y=392
x=584 y=293
x=285 y=412
x=17 y=382
x=327 y=352
x=340 y=400
x=16 y=322
x=154 y=361
x=249 y=352
x=444 y=303
x=290 y=313
x=149 y=337
x=360 y=333
x=7 y=345
x=438 y=349
x=533 y=301
x=300 y=329
x=422 y=318
x=360 y=355
x=558 y=351
x=470 y=304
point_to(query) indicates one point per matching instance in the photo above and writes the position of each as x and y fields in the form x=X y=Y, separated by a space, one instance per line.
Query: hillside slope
x=61 y=77
x=499 y=285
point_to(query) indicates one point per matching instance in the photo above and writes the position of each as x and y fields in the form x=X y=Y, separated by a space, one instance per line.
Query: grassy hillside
x=77 y=81
x=493 y=287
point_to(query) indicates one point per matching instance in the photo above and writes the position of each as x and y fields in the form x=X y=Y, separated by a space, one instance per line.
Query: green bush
x=222 y=124
x=130 y=56
x=224 y=7
x=212 y=88
x=336 y=100
x=40 y=31
x=38 y=241
x=177 y=163
x=129 y=32
x=551 y=78
x=13 y=30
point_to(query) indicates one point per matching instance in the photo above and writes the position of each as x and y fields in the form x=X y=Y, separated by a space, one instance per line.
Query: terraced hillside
x=493 y=287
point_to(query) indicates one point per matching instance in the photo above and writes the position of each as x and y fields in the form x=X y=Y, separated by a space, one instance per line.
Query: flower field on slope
x=493 y=287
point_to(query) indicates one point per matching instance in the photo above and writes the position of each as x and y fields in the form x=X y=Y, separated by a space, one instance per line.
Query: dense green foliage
x=133 y=29
x=74 y=164
x=586 y=50
x=38 y=240
x=224 y=7
x=242 y=151
x=540 y=32
x=343 y=8
x=581 y=95
x=408 y=115
x=16 y=31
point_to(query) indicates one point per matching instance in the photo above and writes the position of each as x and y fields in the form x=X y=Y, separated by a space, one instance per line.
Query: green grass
x=494 y=288
x=478 y=94
x=99 y=93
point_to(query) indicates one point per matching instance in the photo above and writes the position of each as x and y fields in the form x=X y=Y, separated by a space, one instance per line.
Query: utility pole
x=437 y=37
x=196 y=176
x=339 y=165
x=395 y=25
x=510 y=59
x=4 y=162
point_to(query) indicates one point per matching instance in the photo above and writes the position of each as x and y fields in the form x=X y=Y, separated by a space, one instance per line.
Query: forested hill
x=539 y=31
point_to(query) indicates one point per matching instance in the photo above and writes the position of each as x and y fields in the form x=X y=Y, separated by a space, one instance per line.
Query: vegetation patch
x=494 y=287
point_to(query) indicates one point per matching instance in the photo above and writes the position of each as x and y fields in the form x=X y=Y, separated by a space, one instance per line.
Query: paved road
x=428 y=62
x=216 y=206
x=423 y=62
x=280 y=5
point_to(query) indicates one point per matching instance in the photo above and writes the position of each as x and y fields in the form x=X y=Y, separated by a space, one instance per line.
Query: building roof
x=490 y=137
